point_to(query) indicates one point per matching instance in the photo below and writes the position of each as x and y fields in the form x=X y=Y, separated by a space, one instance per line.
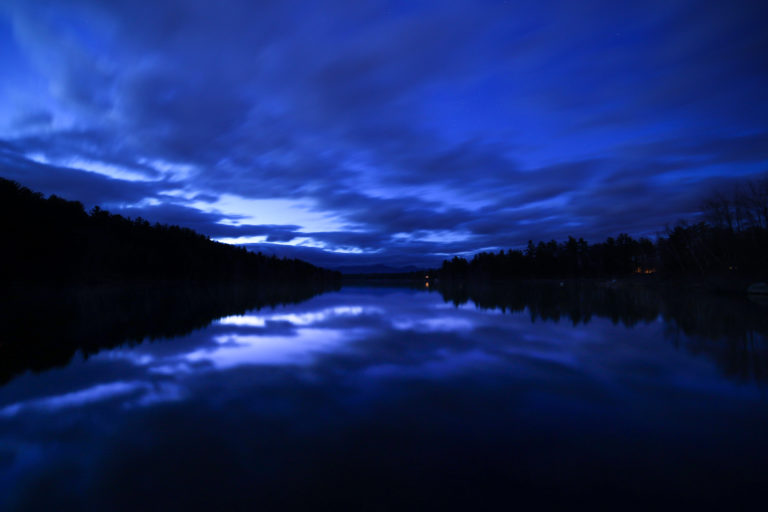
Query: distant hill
x=377 y=269
x=52 y=240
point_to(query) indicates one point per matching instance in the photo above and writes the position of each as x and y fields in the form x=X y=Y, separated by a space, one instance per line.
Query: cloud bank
x=385 y=131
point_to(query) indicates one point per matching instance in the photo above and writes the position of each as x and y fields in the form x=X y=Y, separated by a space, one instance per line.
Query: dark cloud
x=422 y=128
x=87 y=187
x=35 y=119
x=91 y=145
x=735 y=149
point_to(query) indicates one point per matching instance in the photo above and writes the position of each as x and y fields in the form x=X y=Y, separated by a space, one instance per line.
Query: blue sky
x=355 y=132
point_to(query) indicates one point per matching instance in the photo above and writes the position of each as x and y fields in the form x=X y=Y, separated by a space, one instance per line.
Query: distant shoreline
x=720 y=284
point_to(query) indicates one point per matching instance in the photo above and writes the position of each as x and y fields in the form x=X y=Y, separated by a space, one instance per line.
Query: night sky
x=356 y=132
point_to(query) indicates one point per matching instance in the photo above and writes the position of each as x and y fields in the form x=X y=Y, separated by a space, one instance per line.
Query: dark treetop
x=732 y=242
x=56 y=241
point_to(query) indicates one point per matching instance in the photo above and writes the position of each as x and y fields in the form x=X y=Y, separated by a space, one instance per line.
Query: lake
x=384 y=398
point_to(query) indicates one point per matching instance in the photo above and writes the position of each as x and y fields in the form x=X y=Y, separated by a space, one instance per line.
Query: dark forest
x=730 y=240
x=53 y=240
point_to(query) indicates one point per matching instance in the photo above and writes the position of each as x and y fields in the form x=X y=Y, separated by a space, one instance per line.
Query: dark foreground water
x=371 y=398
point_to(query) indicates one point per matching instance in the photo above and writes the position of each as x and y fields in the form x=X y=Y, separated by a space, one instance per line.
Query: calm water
x=392 y=398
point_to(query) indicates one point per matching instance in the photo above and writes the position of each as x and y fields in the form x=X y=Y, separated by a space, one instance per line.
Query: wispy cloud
x=394 y=129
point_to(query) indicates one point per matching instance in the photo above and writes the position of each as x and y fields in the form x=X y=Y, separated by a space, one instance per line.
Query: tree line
x=53 y=240
x=733 y=331
x=731 y=237
x=42 y=331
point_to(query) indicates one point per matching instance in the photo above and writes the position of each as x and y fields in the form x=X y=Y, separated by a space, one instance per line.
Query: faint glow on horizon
x=242 y=240
x=352 y=250
x=296 y=242
x=304 y=241
x=271 y=211
x=244 y=320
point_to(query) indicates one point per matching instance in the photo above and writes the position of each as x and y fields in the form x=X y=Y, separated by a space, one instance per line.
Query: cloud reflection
x=296 y=349
x=97 y=393
x=368 y=335
x=307 y=318
x=365 y=382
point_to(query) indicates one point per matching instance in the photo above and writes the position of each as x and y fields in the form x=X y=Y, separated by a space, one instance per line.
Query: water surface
x=375 y=398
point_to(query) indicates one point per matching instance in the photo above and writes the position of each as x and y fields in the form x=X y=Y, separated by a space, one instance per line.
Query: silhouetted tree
x=733 y=240
x=56 y=241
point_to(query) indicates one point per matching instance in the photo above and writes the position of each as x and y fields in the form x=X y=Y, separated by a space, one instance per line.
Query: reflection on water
x=731 y=330
x=376 y=398
x=45 y=328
